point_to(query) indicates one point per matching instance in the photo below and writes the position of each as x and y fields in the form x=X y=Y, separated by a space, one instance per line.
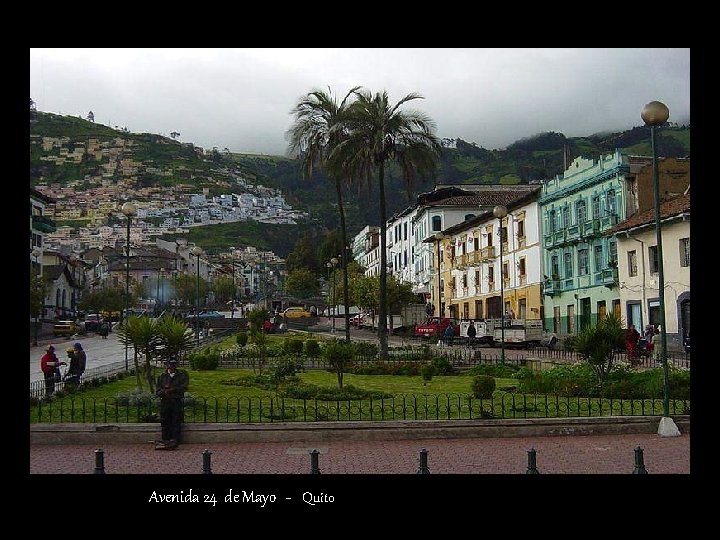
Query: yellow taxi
x=65 y=328
x=296 y=313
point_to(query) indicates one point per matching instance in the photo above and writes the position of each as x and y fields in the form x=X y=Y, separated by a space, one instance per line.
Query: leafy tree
x=110 y=298
x=141 y=334
x=318 y=129
x=378 y=133
x=257 y=335
x=224 y=289
x=304 y=256
x=338 y=354
x=597 y=345
x=302 y=284
x=38 y=292
x=185 y=285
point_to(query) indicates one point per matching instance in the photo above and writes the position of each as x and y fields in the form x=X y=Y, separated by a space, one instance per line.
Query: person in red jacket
x=48 y=364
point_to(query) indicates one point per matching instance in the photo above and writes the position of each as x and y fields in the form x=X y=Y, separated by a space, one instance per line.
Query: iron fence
x=450 y=406
x=679 y=360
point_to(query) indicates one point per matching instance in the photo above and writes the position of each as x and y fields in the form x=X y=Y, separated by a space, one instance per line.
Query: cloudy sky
x=241 y=99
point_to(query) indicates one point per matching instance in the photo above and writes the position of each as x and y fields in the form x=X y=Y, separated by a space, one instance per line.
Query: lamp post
x=37 y=253
x=197 y=252
x=130 y=210
x=500 y=212
x=232 y=262
x=334 y=262
x=655 y=114
x=439 y=236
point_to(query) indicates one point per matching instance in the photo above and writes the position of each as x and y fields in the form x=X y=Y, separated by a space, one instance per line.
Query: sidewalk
x=597 y=454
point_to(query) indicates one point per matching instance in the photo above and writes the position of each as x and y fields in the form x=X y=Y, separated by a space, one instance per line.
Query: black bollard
x=639 y=462
x=314 y=466
x=206 y=461
x=423 y=468
x=99 y=461
x=532 y=462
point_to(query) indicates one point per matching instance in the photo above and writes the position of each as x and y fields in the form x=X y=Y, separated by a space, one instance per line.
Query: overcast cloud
x=241 y=99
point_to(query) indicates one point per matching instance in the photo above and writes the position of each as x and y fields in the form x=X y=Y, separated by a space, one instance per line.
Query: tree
x=140 y=332
x=319 y=127
x=224 y=289
x=105 y=299
x=185 y=285
x=597 y=345
x=173 y=337
x=378 y=133
x=338 y=354
x=302 y=284
x=304 y=256
x=257 y=335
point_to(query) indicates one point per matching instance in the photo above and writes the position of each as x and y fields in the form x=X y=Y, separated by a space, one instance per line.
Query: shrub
x=135 y=397
x=241 y=338
x=442 y=366
x=483 y=386
x=495 y=370
x=312 y=347
x=365 y=348
x=293 y=346
x=120 y=375
x=283 y=368
x=204 y=361
x=34 y=401
x=347 y=393
x=569 y=343
x=427 y=372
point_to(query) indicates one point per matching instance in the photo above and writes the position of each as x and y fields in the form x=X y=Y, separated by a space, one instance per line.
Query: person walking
x=171 y=387
x=449 y=334
x=632 y=336
x=49 y=365
x=471 y=333
x=657 y=347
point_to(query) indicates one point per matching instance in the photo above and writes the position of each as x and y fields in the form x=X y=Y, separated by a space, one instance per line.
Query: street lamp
x=334 y=262
x=500 y=212
x=37 y=253
x=197 y=251
x=130 y=210
x=439 y=236
x=655 y=114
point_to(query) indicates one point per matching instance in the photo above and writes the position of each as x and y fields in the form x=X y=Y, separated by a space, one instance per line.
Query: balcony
x=523 y=279
x=488 y=252
x=522 y=241
x=43 y=224
x=474 y=257
x=609 y=277
x=491 y=286
x=553 y=287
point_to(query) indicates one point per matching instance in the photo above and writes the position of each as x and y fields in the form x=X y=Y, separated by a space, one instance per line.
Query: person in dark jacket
x=471 y=333
x=171 y=387
x=449 y=334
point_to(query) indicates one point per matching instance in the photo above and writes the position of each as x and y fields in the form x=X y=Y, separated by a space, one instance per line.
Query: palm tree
x=173 y=337
x=140 y=332
x=319 y=127
x=377 y=132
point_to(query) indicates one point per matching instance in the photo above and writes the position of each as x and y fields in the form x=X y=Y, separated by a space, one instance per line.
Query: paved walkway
x=597 y=454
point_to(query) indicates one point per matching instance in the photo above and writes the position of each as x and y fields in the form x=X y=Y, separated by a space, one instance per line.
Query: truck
x=521 y=333
x=435 y=327
x=484 y=330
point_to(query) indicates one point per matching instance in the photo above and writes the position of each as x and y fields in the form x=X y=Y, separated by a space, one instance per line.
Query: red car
x=435 y=327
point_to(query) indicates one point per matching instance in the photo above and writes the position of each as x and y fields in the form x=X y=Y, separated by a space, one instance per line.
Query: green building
x=579 y=257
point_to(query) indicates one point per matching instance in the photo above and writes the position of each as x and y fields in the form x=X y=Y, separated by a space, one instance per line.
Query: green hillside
x=163 y=161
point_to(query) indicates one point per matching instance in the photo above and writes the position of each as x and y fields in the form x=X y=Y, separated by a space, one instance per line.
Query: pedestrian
x=78 y=360
x=449 y=334
x=50 y=366
x=171 y=387
x=657 y=346
x=511 y=314
x=471 y=333
x=313 y=311
x=632 y=336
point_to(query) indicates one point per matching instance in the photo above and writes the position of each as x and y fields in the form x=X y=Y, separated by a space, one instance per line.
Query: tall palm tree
x=140 y=332
x=319 y=127
x=378 y=132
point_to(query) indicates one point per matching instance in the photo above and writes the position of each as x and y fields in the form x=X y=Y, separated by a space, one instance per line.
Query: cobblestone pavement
x=597 y=454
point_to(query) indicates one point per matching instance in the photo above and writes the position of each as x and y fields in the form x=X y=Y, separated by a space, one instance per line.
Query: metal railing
x=450 y=406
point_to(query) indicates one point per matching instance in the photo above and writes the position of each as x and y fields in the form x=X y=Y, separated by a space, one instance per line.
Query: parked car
x=206 y=315
x=92 y=322
x=357 y=320
x=65 y=328
x=296 y=313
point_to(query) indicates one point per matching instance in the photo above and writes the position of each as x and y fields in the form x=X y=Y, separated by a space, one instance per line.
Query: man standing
x=48 y=364
x=171 y=387
x=631 y=341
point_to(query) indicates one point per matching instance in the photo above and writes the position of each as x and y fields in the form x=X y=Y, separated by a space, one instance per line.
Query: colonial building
x=638 y=267
x=473 y=256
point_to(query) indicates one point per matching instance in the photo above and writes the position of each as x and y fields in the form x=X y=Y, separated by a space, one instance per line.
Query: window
x=551 y=221
x=601 y=310
x=611 y=202
x=491 y=274
x=684 y=252
x=566 y=216
x=581 y=212
x=612 y=253
x=521 y=229
x=464 y=281
x=477 y=278
x=405 y=231
x=436 y=223
x=504 y=236
x=596 y=207
x=583 y=262
x=476 y=242
x=490 y=236
x=555 y=266
x=568 y=265
x=598 y=255
x=632 y=263
x=505 y=271
x=521 y=266
x=653 y=257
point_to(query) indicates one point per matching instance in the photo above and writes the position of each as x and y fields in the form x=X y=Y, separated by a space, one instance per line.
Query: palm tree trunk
x=382 y=326
x=343 y=261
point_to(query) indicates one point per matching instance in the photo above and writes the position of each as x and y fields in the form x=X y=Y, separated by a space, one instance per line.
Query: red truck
x=435 y=327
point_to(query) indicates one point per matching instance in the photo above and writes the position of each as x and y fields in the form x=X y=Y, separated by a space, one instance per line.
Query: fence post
x=314 y=466
x=532 y=462
x=206 y=461
x=639 y=462
x=423 y=469
x=99 y=461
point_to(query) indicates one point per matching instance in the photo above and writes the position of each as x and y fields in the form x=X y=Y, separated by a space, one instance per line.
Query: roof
x=673 y=207
x=40 y=196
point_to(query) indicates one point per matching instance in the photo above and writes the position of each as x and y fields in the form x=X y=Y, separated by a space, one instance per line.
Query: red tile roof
x=678 y=205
